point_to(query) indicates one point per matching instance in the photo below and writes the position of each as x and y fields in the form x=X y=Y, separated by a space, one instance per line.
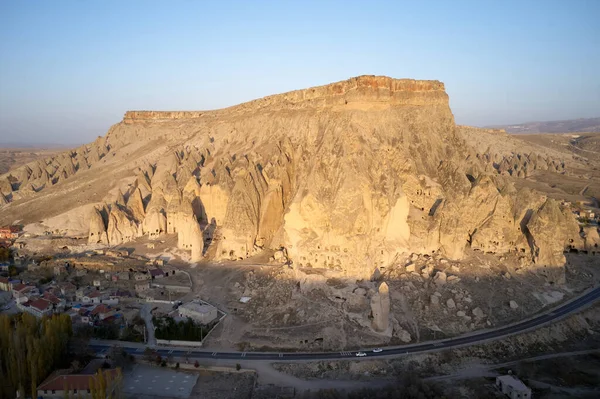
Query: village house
x=140 y=287
x=58 y=303
x=18 y=259
x=120 y=294
x=96 y=283
x=22 y=292
x=19 y=245
x=81 y=292
x=60 y=269
x=140 y=276
x=10 y=232
x=201 y=312
x=39 y=307
x=67 y=289
x=124 y=276
x=61 y=384
x=117 y=253
x=102 y=312
x=4 y=284
x=4 y=266
x=94 y=297
x=156 y=273
x=85 y=316
x=513 y=387
x=12 y=283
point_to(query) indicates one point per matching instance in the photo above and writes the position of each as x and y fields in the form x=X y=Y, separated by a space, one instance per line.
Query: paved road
x=472 y=339
x=146 y=314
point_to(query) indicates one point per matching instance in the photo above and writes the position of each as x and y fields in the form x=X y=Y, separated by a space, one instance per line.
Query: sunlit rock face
x=347 y=176
x=380 y=308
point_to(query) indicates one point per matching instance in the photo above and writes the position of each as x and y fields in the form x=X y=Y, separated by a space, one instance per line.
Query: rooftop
x=513 y=382
x=156 y=272
x=100 y=309
x=40 y=304
x=59 y=380
x=198 y=307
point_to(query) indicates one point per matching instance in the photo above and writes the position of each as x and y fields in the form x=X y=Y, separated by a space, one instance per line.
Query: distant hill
x=567 y=126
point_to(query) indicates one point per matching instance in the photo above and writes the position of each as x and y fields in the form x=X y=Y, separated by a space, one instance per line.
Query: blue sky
x=70 y=69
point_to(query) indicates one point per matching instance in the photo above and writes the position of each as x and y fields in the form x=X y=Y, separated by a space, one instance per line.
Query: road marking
x=171 y=351
x=346 y=353
x=281 y=355
x=244 y=354
x=188 y=352
x=214 y=354
x=438 y=344
x=138 y=350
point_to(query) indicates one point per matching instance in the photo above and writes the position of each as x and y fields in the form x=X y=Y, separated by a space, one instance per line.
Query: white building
x=513 y=387
x=201 y=312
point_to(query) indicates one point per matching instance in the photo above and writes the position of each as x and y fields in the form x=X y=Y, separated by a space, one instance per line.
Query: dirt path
x=487 y=370
x=268 y=375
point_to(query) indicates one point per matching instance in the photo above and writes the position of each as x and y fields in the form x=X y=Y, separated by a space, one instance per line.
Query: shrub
x=196 y=364
x=238 y=366
x=176 y=365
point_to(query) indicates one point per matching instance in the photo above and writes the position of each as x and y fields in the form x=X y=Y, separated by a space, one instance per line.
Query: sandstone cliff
x=346 y=176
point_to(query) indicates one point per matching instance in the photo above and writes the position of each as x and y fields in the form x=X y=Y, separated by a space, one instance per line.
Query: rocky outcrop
x=121 y=228
x=135 y=204
x=592 y=239
x=97 y=234
x=376 y=89
x=39 y=175
x=155 y=222
x=551 y=230
x=380 y=308
x=348 y=177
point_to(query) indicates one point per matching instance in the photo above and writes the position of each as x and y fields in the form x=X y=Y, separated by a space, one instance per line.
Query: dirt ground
x=218 y=385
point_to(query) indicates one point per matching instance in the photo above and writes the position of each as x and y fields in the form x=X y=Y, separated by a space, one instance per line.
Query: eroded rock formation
x=380 y=308
x=346 y=176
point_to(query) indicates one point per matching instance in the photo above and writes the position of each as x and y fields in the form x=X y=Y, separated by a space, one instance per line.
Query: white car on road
x=377 y=350
x=361 y=354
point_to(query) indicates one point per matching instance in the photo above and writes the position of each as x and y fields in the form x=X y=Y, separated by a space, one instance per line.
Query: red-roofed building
x=77 y=385
x=102 y=312
x=38 y=307
x=22 y=292
x=94 y=297
x=58 y=303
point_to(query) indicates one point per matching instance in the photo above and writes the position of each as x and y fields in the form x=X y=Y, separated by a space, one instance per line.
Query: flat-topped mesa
x=362 y=89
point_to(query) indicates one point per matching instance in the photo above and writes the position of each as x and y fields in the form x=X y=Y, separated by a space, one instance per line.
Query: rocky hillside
x=345 y=177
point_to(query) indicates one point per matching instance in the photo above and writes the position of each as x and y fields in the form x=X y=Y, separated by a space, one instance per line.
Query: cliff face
x=373 y=89
x=346 y=176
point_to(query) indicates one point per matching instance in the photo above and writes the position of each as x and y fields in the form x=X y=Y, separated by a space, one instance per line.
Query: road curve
x=472 y=339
